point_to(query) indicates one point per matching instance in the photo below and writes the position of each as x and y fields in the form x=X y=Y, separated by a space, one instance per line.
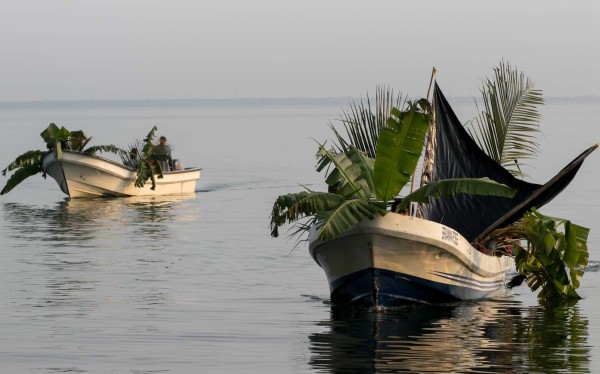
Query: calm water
x=195 y=284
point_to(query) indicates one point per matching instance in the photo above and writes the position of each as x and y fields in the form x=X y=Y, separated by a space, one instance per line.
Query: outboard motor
x=177 y=166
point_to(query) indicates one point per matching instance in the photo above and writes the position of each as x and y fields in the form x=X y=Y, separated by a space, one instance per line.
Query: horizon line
x=247 y=101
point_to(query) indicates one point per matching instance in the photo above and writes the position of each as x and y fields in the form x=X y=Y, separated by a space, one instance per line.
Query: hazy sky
x=147 y=49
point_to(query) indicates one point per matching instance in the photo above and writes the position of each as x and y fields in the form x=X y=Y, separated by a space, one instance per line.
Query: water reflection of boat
x=492 y=336
x=51 y=225
x=76 y=222
x=428 y=258
x=147 y=215
x=81 y=175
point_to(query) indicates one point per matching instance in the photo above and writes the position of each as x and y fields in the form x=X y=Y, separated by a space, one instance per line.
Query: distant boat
x=427 y=258
x=81 y=175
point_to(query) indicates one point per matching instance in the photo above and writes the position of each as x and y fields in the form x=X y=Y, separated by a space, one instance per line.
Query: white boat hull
x=398 y=259
x=80 y=175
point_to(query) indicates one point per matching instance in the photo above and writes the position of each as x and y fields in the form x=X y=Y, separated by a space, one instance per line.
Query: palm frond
x=364 y=120
x=508 y=126
x=106 y=148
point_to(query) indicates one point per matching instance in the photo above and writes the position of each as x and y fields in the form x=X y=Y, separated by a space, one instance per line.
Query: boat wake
x=215 y=187
x=245 y=186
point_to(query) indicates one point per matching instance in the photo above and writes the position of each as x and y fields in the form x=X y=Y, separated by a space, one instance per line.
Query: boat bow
x=396 y=259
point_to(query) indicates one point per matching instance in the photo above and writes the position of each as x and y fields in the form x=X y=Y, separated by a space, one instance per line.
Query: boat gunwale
x=112 y=162
x=373 y=227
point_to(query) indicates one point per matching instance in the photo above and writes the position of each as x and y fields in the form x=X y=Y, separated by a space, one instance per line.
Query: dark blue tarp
x=458 y=156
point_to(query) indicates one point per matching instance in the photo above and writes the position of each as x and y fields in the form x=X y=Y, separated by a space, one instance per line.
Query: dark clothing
x=163 y=149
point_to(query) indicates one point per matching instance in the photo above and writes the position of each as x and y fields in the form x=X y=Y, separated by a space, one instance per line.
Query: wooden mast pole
x=428 y=158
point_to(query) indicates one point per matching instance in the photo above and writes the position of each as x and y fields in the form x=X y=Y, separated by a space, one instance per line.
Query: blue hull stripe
x=492 y=285
x=385 y=288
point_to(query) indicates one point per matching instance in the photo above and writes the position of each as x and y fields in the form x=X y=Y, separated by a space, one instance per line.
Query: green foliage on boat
x=364 y=120
x=371 y=165
x=30 y=163
x=361 y=187
x=507 y=127
x=149 y=162
x=58 y=138
x=550 y=254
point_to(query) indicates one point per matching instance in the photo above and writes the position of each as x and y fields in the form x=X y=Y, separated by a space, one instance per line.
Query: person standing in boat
x=163 y=149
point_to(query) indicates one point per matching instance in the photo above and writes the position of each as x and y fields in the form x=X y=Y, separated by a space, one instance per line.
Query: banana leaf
x=292 y=207
x=26 y=159
x=52 y=133
x=20 y=175
x=54 y=137
x=78 y=140
x=149 y=142
x=346 y=214
x=449 y=187
x=398 y=151
x=555 y=258
x=352 y=171
x=148 y=170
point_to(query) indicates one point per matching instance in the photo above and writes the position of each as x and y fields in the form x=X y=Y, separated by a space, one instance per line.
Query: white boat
x=427 y=257
x=398 y=259
x=81 y=175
